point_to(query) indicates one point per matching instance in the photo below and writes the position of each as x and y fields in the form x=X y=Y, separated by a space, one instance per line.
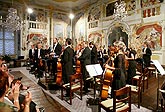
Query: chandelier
x=119 y=10
x=12 y=22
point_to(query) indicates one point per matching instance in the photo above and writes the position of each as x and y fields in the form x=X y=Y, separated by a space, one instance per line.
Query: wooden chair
x=151 y=69
x=120 y=103
x=141 y=73
x=75 y=84
x=137 y=90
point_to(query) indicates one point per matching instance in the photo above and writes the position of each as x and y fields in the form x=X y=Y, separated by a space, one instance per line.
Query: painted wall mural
x=35 y=38
x=94 y=13
x=96 y=38
x=152 y=34
x=117 y=35
x=130 y=5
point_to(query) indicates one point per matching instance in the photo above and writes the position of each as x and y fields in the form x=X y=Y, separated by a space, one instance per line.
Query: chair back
x=139 y=67
x=125 y=97
x=75 y=82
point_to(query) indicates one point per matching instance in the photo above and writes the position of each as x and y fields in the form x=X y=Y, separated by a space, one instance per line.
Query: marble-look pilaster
x=163 y=42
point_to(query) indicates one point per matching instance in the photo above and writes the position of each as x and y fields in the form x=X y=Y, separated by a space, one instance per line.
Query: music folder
x=94 y=69
x=159 y=67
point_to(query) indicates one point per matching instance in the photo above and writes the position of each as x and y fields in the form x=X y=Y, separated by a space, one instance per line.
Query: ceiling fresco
x=61 y=5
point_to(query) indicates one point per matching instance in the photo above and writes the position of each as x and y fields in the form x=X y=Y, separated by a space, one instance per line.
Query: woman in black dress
x=119 y=71
x=131 y=72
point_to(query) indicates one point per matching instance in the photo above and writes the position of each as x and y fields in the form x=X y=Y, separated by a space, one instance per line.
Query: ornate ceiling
x=61 y=5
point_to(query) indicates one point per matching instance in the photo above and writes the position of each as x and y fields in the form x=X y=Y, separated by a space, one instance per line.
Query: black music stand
x=94 y=70
x=159 y=69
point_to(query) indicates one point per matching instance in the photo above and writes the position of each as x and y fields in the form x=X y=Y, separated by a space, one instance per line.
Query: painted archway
x=118 y=30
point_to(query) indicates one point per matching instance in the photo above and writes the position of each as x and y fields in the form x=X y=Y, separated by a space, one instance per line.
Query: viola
x=59 y=73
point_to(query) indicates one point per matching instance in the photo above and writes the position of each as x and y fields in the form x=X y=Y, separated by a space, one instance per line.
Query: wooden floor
x=38 y=96
x=149 y=96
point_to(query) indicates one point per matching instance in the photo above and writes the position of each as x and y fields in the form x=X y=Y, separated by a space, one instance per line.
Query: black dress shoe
x=42 y=109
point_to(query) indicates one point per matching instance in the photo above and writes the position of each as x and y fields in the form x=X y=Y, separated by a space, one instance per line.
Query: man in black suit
x=146 y=51
x=31 y=52
x=93 y=53
x=56 y=52
x=85 y=59
x=31 y=57
x=39 y=52
x=38 y=56
x=57 y=48
x=67 y=60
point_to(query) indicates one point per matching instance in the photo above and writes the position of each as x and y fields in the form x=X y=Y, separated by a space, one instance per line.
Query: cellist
x=119 y=78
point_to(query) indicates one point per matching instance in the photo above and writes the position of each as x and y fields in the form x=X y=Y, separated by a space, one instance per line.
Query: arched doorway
x=117 y=35
x=118 y=31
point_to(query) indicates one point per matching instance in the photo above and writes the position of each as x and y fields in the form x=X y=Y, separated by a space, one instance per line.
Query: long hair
x=4 y=83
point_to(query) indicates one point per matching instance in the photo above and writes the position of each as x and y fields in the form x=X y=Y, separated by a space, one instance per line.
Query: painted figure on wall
x=150 y=34
x=94 y=13
x=116 y=36
x=96 y=38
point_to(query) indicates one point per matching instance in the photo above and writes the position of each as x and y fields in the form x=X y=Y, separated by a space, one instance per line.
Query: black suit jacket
x=41 y=53
x=58 y=49
x=67 y=60
x=85 y=59
x=94 y=55
x=147 y=56
x=31 y=55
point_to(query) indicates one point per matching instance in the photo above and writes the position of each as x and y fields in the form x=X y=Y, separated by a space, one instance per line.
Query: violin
x=59 y=73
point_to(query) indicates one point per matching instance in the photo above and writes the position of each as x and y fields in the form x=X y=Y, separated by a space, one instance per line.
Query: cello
x=108 y=76
x=59 y=73
x=78 y=67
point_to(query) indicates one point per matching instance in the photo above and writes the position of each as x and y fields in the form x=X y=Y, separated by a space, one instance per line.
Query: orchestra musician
x=131 y=72
x=93 y=53
x=85 y=59
x=146 y=51
x=67 y=62
x=31 y=56
x=38 y=56
x=119 y=79
x=55 y=53
x=47 y=51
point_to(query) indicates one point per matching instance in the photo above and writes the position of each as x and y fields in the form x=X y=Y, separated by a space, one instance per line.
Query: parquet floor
x=52 y=102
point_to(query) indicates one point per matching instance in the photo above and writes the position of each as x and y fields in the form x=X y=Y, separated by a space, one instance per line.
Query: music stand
x=94 y=70
x=159 y=69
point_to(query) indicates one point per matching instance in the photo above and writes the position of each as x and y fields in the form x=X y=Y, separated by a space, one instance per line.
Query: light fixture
x=71 y=16
x=120 y=10
x=12 y=22
x=29 y=10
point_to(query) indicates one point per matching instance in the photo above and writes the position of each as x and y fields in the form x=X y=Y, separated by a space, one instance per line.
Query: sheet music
x=94 y=70
x=159 y=67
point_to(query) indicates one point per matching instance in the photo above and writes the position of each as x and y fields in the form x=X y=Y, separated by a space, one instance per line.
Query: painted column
x=163 y=42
